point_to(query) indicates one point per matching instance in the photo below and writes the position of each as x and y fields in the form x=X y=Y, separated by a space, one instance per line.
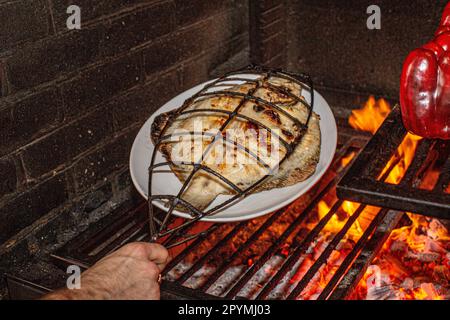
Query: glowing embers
x=309 y=249
x=396 y=169
x=369 y=118
x=413 y=264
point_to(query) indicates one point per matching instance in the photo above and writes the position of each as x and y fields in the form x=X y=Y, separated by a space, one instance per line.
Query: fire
x=413 y=263
x=420 y=234
x=371 y=116
x=415 y=254
x=339 y=219
x=347 y=159
x=405 y=153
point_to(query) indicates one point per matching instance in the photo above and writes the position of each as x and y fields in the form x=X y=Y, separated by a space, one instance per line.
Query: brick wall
x=268 y=32
x=72 y=100
x=330 y=40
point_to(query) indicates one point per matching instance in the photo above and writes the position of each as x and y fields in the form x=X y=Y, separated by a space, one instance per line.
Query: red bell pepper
x=425 y=85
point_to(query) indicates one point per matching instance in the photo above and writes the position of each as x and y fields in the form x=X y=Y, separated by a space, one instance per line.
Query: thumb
x=157 y=254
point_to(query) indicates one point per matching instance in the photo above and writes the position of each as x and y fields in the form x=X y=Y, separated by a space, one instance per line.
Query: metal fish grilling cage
x=222 y=87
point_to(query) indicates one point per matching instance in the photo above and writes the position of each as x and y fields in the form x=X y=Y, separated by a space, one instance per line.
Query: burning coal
x=414 y=262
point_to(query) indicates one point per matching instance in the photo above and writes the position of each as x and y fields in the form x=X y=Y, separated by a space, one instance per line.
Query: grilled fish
x=246 y=152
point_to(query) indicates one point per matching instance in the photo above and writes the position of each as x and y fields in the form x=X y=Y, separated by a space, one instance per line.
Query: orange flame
x=347 y=159
x=423 y=235
x=405 y=152
x=371 y=116
x=338 y=221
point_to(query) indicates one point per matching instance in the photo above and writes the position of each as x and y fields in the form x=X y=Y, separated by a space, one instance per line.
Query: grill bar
x=192 y=246
x=212 y=278
x=444 y=178
x=259 y=263
x=138 y=230
x=351 y=256
x=302 y=247
x=325 y=254
x=360 y=184
x=90 y=243
x=371 y=249
x=206 y=242
x=211 y=252
x=421 y=154
x=182 y=236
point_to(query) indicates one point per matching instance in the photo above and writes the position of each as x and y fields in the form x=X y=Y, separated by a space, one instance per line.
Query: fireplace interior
x=72 y=102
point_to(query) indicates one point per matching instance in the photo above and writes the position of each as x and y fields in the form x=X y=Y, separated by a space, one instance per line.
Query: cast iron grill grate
x=233 y=242
x=431 y=158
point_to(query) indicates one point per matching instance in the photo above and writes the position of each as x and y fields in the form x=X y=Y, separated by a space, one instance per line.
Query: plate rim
x=211 y=218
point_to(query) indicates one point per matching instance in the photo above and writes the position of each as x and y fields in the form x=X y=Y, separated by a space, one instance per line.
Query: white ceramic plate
x=252 y=206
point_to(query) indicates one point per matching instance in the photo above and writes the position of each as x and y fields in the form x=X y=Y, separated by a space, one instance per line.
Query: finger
x=157 y=254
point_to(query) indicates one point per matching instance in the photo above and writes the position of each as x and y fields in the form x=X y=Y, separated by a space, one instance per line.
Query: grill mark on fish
x=287 y=133
x=273 y=116
x=258 y=108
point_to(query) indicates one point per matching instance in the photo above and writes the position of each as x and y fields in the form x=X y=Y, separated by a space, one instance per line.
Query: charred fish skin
x=282 y=121
x=159 y=124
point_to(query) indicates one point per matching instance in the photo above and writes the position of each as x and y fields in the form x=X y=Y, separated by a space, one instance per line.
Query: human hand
x=131 y=272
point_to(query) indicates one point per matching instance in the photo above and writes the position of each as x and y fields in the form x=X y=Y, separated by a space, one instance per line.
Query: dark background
x=330 y=40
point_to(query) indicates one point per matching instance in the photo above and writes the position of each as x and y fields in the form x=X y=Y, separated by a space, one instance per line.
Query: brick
x=228 y=56
x=73 y=219
x=195 y=10
x=22 y=21
x=139 y=27
x=278 y=61
x=3 y=87
x=190 y=42
x=268 y=30
x=273 y=14
x=187 y=43
x=219 y=29
x=272 y=47
x=45 y=60
x=138 y=105
x=101 y=163
x=266 y=5
x=124 y=180
x=8 y=176
x=272 y=28
x=31 y=205
x=45 y=155
x=90 y=10
x=27 y=119
x=100 y=83
x=88 y=131
x=59 y=147
x=194 y=72
x=238 y=18
x=95 y=199
x=163 y=53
